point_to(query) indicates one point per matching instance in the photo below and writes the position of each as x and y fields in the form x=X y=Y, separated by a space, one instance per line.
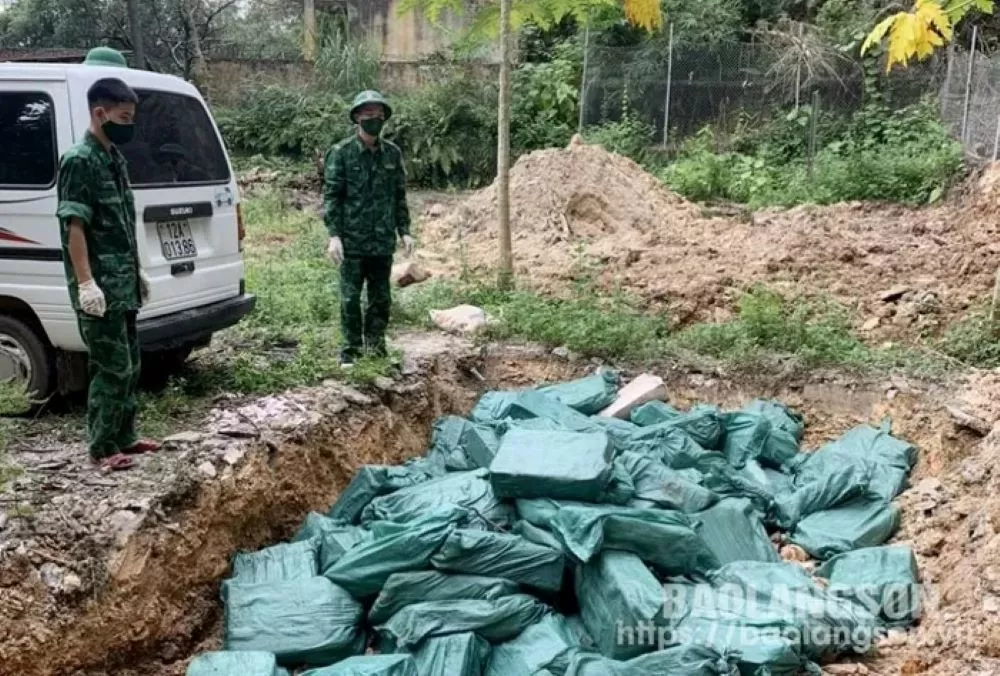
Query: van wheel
x=25 y=358
x=159 y=366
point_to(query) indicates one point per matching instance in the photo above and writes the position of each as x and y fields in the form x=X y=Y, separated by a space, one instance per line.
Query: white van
x=190 y=231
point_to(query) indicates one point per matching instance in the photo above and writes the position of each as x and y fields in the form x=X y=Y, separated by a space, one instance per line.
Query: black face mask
x=119 y=134
x=372 y=126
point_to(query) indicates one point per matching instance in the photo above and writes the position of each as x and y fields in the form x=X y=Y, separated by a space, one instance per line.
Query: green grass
x=292 y=338
x=585 y=322
x=974 y=341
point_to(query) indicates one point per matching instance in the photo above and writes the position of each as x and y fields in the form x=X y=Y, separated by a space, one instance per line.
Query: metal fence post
x=814 y=116
x=583 y=80
x=670 y=77
x=968 y=86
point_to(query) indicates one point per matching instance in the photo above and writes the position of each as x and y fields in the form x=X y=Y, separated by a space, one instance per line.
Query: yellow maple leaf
x=645 y=13
x=913 y=34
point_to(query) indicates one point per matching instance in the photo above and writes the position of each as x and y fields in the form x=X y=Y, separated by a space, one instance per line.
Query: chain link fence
x=742 y=85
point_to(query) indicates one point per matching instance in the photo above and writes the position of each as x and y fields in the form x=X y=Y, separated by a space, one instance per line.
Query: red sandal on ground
x=142 y=446
x=114 y=463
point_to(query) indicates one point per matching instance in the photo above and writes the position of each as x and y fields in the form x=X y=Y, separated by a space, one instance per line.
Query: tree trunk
x=503 y=150
x=199 y=68
x=135 y=33
x=309 y=33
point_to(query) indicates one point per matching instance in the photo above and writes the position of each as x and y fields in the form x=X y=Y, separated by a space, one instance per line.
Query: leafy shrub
x=901 y=156
x=815 y=332
x=545 y=98
x=447 y=131
x=630 y=136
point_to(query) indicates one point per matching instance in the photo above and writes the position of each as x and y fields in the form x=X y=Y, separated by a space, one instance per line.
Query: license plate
x=176 y=241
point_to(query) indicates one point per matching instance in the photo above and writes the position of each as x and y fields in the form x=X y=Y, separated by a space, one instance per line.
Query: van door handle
x=178 y=269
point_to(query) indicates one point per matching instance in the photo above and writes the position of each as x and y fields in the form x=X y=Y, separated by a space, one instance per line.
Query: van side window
x=175 y=143
x=28 y=139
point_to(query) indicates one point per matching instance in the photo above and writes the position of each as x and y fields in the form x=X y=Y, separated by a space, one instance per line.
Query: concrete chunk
x=643 y=389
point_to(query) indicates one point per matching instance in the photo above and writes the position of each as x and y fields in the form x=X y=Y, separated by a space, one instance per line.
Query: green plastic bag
x=779 y=415
x=588 y=395
x=370 y=665
x=558 y=465
x=734 y=531
x=394 y=548
x=681 y=660
x=495 y=620
x=862 y=522
x=476 y=552
x=292 y=561
x=619 y=431
x=749 y=482
x=673 y=447
x=455 y=655
x=772 y=614
x=334 y=537
x=884 y=580
x=619 y=599
x=664 y=539
x=827 y=626
x=540 y=511
x=470 y=491
x=463 y=445
x=403 y=589
x=235 y=663
x=549 y=644
x=657 y=485
x=536 y=534
x=702 y=423
x=311 y=621
x=749 y=436
x=494 y=407
x=653 y=413
x=836 y=488
x=372 y=481
x=889 y=460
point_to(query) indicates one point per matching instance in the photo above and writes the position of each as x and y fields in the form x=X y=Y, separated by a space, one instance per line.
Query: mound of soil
x=583 y=213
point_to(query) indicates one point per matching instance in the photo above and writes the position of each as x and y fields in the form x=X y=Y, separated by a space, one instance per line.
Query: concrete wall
x=406 y=37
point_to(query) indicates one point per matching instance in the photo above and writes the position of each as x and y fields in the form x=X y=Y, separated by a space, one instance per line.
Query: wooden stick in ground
x=996 y=299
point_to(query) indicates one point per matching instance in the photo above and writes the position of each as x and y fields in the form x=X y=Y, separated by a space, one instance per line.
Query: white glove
x=336 y=250
x=92 y=299
x=408 y=245
x=143 y=286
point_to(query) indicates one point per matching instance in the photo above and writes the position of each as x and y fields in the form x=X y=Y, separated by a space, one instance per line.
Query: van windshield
x=175 y=143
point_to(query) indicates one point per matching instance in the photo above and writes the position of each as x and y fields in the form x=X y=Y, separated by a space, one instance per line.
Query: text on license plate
x=176 y=240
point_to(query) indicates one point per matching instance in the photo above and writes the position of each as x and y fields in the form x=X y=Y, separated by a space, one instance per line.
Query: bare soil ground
x=583 y=213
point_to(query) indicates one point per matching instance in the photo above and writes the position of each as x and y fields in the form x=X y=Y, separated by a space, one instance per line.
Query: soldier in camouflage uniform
x=364 y=190
x=106 y=285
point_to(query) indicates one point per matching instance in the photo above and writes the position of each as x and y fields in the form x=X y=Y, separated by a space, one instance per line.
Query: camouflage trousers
x=367 y=332
x=113 y=344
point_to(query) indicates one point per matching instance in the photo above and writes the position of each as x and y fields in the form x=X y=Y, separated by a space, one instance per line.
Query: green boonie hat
x=105 y=56
x=370 y=96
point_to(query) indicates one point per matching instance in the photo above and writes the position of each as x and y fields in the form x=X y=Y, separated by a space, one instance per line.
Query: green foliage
x=447 y=130
x=816 y=333
x=545 y=99
x=904 y=156
x=284 y=121
x=586 y=321
x=975 y=341
x=629 y=136
x=345 y=65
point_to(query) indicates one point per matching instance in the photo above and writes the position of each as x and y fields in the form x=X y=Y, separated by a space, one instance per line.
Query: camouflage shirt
x=94 y=187
x=364 y=190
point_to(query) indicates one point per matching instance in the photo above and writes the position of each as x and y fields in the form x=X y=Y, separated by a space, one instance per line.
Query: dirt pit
x=583 y=213
x=89 y=594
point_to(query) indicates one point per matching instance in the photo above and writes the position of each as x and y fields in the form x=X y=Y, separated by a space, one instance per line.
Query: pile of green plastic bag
x=538 y=538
